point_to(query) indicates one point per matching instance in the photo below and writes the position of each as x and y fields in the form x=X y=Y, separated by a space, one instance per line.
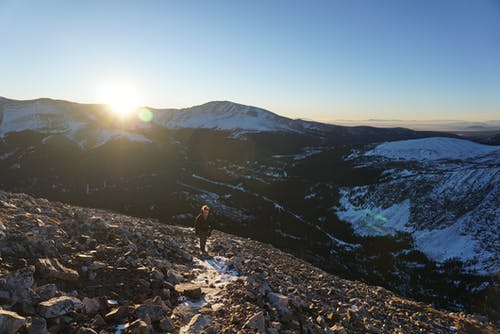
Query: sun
x=123 y=99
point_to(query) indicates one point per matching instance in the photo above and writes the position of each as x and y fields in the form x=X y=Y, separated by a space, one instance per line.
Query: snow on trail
x=213 y=276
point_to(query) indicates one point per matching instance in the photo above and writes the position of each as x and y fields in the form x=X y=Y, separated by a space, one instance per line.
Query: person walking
x=203 y=227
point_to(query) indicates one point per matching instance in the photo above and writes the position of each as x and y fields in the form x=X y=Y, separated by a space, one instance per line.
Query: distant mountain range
x=415 y=211
x=428 y=125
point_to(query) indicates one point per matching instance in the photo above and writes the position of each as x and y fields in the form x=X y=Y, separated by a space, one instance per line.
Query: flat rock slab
x=52 y=268
x=190 y=290
x=56 y=307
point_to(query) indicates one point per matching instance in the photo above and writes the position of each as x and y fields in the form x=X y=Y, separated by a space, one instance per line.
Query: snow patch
x=429 y=149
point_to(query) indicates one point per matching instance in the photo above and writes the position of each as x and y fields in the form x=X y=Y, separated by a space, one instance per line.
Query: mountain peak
x=224 y=115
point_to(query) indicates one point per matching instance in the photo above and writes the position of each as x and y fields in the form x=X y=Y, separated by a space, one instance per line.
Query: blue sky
x=320 y=60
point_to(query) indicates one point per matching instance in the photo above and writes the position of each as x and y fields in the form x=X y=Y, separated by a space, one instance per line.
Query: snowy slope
x=428 y=149
x=450 y=204
x=224 y=115
x=82 y=124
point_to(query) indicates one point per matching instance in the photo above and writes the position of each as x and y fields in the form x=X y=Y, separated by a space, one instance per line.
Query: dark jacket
x=202 y=226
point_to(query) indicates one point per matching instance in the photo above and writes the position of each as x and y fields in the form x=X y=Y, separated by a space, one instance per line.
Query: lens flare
x=145 y=115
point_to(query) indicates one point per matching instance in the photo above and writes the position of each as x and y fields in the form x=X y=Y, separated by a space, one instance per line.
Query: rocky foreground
x=65 y=269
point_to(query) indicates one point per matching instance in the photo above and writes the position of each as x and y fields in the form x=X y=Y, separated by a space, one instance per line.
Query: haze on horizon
x=327 y=60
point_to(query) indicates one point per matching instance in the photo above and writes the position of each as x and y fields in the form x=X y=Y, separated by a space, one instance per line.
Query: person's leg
x=203 y=241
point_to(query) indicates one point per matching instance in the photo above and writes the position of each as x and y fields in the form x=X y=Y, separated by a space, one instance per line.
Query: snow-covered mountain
x=87 y=125
x=91 y=125
x=445 y=192
x=229 y=116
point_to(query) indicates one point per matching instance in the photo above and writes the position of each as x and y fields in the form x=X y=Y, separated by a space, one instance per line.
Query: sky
x=320 y=60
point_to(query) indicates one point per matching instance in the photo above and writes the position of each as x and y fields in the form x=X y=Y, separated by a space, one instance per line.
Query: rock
x=36 y=325
x=139 y=327
x=192 y=291
x=174 y=277
x=18 y=283
x=58 y=306
x=196 y=324
x=166 y=325
x=85 y=330
x=10 y=322
x=353 y=317
x=52 y=268
x=155 y=312
x=46 y=292
x=338 y=329
x=4 y=296
x=280 y=301
x=96 y=265
x=372 y=329
x=157 y=274
x=98 y=320
x=25 y=308
x=117 y=314
x=257 y=321
x=92 y=305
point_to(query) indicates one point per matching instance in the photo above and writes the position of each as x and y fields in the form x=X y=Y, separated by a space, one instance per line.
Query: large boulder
x=16 y=286
x=58 y=306
x=10 y=322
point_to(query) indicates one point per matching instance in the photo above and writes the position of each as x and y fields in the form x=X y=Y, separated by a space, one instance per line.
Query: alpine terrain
x=68 y=269
x=415 y=212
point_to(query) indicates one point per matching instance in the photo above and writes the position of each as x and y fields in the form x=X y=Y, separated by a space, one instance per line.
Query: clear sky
x=320 y=60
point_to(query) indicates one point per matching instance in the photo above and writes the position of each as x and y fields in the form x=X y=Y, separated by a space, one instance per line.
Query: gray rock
x=196 y=324
x=52 y=268
x=166 y=325
x=257 y=321
x=18 y=283
x=92 y=305
x=155 y=312
x=10 y=322
x=36 y=325
x=46 y=292
x=58 y=306
x=280 y=302
x=372 y=329
x=174 y=277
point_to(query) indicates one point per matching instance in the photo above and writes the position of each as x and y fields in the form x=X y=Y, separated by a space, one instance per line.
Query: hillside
x=447 y=199
x=76 y=270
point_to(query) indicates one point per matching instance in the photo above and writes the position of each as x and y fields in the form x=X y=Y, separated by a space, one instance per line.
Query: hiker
x=203 y=227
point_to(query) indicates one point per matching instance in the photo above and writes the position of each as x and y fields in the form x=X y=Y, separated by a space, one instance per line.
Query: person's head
x=205 y=210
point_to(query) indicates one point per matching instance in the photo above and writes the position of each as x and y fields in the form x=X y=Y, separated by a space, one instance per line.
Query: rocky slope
x=67 y=269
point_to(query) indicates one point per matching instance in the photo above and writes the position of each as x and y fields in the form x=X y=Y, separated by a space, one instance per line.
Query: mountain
x=69 y=269
x=91 y=125
x=276 y=180
x=229 y=116
x=447 y=198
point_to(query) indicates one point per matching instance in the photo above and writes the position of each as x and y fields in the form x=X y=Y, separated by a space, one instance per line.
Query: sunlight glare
x=123 y=99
